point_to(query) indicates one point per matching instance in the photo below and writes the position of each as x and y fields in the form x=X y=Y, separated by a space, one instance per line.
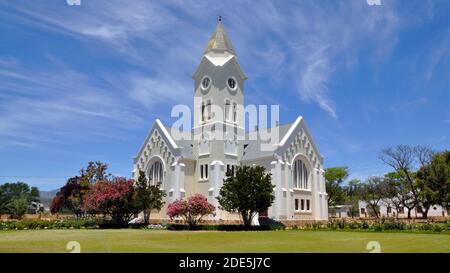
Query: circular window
x=232 y=83
x=206 y=82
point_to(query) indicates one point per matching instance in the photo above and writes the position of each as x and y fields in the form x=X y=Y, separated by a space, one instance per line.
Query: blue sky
x=81 y=83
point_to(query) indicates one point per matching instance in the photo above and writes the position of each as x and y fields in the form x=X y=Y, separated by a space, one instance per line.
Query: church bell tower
x=218 y=123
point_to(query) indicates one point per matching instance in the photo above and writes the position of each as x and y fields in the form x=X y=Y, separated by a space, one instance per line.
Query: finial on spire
x=219 y=41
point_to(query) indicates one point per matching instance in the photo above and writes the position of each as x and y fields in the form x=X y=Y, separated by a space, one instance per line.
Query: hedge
x=52 y=224
x=380 y=225
x=100 y=223
x=225 y=227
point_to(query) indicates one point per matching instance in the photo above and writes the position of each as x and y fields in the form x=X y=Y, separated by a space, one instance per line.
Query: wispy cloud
x=52 y=105
x=315 y=39
x=409 y=104
x=314 y=80
x=151 y=92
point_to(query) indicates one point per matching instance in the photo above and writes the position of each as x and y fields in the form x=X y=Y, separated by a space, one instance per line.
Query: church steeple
x=219 y=41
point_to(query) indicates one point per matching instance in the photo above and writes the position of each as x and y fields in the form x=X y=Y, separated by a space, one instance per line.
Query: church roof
x=185 y=145
x=252 y=148
x=219 y=40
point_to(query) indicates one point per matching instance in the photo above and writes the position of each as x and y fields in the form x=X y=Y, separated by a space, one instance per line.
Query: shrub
x=192 y=211
x=225 y=227
x=377 y=227
x=426 y=227
x=394 y=225
x=438 y=227
x=51 y=224
x=114 y=198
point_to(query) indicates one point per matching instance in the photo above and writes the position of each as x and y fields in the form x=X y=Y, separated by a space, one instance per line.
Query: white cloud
x=53 y=106
x=151 y=92
x=314 y=80
x=299 y=45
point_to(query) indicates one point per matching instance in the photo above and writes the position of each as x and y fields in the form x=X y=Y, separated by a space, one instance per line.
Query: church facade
x=198 y=163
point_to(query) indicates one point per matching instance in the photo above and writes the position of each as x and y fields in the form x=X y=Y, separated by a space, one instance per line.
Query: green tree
x=398 y=191
x=372 y=193
x=34 y=195
x=16 y=207
x=95 y=171
x=148 y=197
x=15 y=198
x=352 y=197
x=333 y=180
x=433 y=182
x=248 y=191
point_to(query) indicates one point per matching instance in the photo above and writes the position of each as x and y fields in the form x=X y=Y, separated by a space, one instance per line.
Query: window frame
x=300 y=175
x=235 y=83
x=204 y=172
x=155 y=168
x=201 y=82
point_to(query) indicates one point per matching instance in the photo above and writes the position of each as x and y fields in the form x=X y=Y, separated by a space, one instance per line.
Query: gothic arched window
x=156 y=172
x=300 y=174
x=227 y=110
x=203 y=111
x=208 y=110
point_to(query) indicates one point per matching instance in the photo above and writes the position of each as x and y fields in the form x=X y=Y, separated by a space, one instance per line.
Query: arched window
x=234 y=112
x=203 y=111
x=227 y=110
x=209 y=110
x=156 y=172
x=300 y=175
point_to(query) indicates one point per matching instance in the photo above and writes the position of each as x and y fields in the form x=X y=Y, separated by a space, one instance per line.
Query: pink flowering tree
x=191 y=210
x=114 y=198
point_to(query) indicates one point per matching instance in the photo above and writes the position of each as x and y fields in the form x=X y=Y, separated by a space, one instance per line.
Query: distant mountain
x=48 y=194
x=46 y=197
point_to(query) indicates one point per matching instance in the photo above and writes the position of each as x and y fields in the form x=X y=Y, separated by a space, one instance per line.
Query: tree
x=15 y=197
x=16 y=207
x=112 y=198
x=352 y=197
x=71 y=196
x=405 y=160
x=333 y=180
x=148 y=197
x=397 y=192
x=247 y=191
x=34 y=195
x=372 y=192
x=433 y=181
x=191 y=210
x=95 y=171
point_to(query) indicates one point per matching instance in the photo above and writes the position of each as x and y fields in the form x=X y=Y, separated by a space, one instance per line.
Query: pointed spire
x=219 y=41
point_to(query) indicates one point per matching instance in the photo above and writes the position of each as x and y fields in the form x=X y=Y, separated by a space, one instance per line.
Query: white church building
x=198 y=163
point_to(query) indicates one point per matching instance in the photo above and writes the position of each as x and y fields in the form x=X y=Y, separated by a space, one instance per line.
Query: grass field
x=129 y=240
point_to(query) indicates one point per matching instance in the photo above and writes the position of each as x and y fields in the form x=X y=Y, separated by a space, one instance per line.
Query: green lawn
x=129 y=240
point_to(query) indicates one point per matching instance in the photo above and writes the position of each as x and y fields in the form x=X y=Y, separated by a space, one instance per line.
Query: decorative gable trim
x=166 y=136
x=288 y=138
